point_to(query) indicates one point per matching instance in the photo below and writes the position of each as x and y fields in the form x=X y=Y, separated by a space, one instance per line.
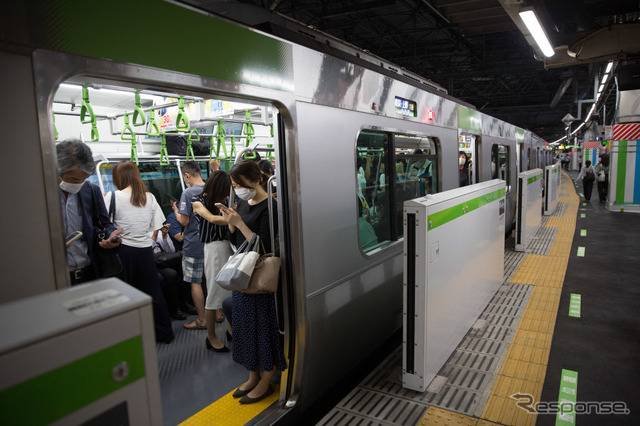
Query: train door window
x=416 y=171
x=469 y=144
x=500 y=167
x=381 y=188
x=372 y=188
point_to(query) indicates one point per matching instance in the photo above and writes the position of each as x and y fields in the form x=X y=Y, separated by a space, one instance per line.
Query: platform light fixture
x=609 y=66
x=535 y=29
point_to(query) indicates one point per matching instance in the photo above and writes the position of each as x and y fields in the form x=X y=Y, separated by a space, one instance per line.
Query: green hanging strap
x=249 y=132
x=194 y=136
x=94 y=132
x=138 y=113
x=232 y=154
x=55 y=130
x=182 y=120
x=86 y=107
x=131 y=136
x=269 y=155
x=221 y=136
x=153 y=129
x=164 y=155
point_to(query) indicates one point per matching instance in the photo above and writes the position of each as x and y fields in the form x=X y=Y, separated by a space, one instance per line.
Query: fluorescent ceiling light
x=609 y=66
x=535 y=29
x=601 y=88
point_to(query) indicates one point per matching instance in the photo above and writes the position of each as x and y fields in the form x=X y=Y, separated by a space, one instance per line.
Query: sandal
x=193 y=325
x=219 y=316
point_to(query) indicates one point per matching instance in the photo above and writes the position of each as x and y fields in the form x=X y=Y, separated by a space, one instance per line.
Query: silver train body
x=340 y=304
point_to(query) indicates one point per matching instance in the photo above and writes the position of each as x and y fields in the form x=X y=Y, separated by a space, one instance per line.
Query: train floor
x=563 y=331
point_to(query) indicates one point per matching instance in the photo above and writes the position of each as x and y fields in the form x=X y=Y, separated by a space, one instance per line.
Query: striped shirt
x=207 y=230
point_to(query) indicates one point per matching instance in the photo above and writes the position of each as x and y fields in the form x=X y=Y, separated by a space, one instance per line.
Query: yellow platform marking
x=227 y=411
x=525 y=365
x=441 y=417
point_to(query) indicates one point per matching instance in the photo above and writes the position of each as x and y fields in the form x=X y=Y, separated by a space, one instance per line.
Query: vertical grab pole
x=270 y=183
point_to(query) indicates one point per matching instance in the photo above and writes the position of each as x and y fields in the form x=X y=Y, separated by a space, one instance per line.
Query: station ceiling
x=474 y=49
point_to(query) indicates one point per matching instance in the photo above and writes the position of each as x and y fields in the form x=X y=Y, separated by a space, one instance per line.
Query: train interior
x=160 y=130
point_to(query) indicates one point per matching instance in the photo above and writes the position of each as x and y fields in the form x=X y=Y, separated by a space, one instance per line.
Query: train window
x=382 y=188
x=500 y=164
x=416 y=168
x=162 y=181
x=372 y=190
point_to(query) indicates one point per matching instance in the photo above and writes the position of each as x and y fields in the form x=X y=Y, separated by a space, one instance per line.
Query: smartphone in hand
x=72 y=237
x=220 y=205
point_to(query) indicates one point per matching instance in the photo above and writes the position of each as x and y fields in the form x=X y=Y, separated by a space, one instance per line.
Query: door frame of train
x=476 y=149
x=52 y=68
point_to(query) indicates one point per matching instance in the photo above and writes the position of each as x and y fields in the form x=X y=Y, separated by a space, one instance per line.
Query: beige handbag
x=265 y=275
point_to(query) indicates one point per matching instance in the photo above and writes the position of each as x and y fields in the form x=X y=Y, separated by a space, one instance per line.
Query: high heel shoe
x=211 y=348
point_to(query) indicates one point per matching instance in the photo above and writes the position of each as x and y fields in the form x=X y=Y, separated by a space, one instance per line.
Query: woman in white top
x=138 y=212
x=587 y=175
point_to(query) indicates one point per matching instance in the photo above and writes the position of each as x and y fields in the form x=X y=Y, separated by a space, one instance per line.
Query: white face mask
x=71 y=188
x=461 y=161
x=245 y=194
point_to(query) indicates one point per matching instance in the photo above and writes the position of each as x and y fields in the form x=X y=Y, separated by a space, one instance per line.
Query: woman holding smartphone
x=256 y=340
x=214 y=233
x=138 y=212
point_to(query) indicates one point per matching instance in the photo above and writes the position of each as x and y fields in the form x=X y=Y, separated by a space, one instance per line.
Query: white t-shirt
x=137 y=222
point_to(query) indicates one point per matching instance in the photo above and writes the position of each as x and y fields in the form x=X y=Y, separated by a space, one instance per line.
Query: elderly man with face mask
x=82 y=203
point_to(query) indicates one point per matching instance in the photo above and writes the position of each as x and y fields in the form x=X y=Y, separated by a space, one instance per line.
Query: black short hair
x=192 y=168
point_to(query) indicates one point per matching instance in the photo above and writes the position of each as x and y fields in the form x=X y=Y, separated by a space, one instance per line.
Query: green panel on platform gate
x=59 y=392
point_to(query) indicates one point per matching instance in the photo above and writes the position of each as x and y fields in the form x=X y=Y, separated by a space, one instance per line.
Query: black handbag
x=109 y=264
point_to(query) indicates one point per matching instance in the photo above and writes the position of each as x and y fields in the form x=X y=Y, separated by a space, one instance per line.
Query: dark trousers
x=226 y=309
x=602 y=189
x=170 y=282
x=139 y=270
x=588 y=188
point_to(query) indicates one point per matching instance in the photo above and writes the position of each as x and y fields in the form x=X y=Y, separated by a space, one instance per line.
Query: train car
x=350 y=140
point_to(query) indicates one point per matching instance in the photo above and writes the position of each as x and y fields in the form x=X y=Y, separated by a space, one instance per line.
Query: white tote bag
x=235 y=275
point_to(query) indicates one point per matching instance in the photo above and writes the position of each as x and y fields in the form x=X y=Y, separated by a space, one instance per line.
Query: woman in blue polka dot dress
x=256 y=339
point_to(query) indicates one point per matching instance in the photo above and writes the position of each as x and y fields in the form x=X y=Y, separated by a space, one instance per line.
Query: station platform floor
x=563 y=328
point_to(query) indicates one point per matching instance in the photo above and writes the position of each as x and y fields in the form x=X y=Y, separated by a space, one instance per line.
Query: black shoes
x=240 y=393
x=211 y=348
x=178 y=315
x=165 y=339
x=189 y=309
x=229 y=337
x=247 y=400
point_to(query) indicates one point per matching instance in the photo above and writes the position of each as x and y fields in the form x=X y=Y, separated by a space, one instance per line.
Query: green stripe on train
x=156 y=34
x=447 y=215
x=64 y=390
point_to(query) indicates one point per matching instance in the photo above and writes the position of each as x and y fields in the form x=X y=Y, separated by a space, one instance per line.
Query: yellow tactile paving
x=227 y=411
x=525 y=365
x=441 y=417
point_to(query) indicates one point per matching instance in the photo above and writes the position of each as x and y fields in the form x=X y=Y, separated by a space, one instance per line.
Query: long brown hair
x=216 y=189
x=250 y=171
x=125 y=174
